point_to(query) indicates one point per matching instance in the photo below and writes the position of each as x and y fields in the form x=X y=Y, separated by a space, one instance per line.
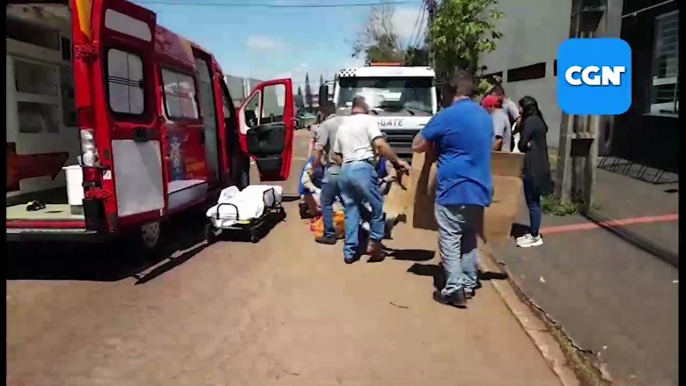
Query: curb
x=571 y=368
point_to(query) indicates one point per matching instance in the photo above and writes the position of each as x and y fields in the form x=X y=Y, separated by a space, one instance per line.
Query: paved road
x=283 y=311
x=614 y=291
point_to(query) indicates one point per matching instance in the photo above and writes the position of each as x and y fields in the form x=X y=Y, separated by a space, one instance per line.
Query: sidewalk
x=613 y=290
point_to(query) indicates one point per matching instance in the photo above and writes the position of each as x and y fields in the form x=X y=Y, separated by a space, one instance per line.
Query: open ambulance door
x=266 y=124
x=124 y=98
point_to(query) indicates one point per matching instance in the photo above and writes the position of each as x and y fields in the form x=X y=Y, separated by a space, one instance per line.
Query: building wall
x=240 y=88
x=641 y=135
x=532 y=32
x=235 y=84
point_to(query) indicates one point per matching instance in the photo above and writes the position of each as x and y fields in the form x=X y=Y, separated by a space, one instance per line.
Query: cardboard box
x=416 y=199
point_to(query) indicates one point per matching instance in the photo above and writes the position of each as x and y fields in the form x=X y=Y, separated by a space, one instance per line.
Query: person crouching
x=310 y=189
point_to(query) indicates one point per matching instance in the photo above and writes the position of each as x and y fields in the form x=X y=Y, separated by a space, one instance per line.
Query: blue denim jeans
x=533 y=202
x=358 y=183
x=330 y=190
x=457 y=239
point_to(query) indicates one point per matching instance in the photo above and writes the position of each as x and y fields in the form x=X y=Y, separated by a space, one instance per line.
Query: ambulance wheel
x=145 y=242
x=151 y=234
x=210 y=236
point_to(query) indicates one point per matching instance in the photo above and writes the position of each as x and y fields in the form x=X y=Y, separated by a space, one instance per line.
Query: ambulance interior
x=43 y=143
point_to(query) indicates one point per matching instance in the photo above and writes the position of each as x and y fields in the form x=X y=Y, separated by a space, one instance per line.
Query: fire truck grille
x=401 y=140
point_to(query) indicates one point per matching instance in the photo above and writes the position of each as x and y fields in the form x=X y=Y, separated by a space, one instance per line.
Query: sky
x=270 y=43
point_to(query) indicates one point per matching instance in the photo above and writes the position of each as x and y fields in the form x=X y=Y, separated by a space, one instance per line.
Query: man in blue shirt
x=461 y=136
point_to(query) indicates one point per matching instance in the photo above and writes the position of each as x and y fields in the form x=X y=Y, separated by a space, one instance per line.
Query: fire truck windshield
x=389 y=95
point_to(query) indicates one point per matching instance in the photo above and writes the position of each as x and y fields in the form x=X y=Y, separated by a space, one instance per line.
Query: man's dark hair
x=497 y=90
x=360 y=102
x=461 y=84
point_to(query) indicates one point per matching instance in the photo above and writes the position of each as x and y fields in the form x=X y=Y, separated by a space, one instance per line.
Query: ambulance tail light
x=92 y=176
x=89 y=156
x=92 y=173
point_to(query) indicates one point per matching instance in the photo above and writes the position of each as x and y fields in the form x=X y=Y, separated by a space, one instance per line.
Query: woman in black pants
x=536 y=173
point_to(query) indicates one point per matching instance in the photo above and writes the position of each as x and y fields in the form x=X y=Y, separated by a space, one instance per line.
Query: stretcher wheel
x=210 y=236
x=253 y=238
x=282 y=212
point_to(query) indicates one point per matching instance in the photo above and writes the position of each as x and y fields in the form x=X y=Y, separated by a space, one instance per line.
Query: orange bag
x=317 y=225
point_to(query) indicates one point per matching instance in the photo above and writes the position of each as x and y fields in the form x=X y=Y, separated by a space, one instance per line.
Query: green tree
x=299 y=102
x=417 y=56
x=378 y=40
x=461 y=32
x=308 y=92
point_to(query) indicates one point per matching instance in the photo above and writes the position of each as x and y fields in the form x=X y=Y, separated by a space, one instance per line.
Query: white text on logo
x=391 y=122
x=589 y=75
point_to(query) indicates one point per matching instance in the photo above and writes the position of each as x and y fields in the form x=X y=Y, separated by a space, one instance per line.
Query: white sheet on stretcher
x=251 y=202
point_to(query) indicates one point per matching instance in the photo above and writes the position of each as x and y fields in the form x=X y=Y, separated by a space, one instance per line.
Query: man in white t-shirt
x=357 y=141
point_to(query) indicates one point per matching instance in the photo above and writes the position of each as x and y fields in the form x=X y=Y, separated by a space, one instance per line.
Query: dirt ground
x=283 y=311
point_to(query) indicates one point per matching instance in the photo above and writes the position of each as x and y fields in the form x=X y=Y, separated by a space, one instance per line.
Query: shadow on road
x=411 y=254
x=437 y=272
x=103 y=262
x=634 y=239
x=184 y=238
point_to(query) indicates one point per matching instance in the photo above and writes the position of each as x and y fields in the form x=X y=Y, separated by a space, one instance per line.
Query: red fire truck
x=115 y=123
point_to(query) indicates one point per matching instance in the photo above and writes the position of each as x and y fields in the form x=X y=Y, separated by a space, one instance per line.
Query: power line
x=268 y=5
x=415 y=29
x=431 y=9
x=419 y=24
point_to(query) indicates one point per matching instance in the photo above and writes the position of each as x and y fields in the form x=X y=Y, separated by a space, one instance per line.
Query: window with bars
x=664 y=93
x=125 y=82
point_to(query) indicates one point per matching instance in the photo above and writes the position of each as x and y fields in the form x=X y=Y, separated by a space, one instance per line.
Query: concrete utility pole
x=431 y=10
x=578 y=148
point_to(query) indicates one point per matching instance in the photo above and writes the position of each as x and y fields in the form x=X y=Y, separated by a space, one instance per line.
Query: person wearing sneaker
x=356 y=141
x=536 y=173
x=330 y=191
x=461 y=136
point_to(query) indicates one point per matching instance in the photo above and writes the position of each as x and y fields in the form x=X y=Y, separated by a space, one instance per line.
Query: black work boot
x=324 y=239
x=456 y=299
x=375 y=251
x=388 y=224
x=304 y=211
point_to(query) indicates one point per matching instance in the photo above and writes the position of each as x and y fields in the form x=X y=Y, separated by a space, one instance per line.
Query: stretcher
x=244 y=212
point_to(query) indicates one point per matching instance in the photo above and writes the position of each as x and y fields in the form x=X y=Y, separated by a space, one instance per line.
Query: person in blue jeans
x=357 y=138
x=536 y=173
x=461 y=136
x=325 y=138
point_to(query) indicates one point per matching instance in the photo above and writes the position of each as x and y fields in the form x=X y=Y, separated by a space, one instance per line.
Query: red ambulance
x=115 y=123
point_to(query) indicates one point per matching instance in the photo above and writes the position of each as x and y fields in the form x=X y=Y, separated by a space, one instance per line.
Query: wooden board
x=418 y=200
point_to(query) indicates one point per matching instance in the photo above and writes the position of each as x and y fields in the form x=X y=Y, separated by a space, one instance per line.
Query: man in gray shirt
x=510 y=108
x=323 y=148
x=501 y=123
